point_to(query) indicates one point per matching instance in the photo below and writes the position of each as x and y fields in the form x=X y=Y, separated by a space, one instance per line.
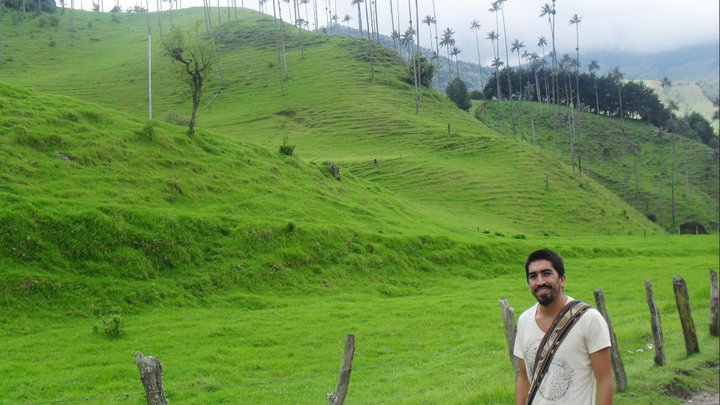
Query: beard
x=546 y=299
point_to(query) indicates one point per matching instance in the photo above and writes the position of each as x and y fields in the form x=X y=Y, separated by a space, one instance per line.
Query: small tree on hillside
x=457 y=92
x=425 y=68
x=194 y=54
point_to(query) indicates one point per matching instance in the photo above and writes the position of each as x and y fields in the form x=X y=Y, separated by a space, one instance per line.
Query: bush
x=457 y=92
x=49 y=21
x=175 y=118
x=111 y=326
x=287 y=149
x=148 y=131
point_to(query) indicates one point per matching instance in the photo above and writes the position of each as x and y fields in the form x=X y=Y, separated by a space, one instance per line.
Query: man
x=577 y=370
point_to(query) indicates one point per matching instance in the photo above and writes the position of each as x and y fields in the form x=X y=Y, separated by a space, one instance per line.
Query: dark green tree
x=457 y=92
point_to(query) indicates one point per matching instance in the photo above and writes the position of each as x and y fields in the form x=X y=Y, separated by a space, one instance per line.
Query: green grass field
x=243 y=269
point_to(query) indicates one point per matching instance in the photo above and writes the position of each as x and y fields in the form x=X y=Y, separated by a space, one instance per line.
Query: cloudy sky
x=642 y=26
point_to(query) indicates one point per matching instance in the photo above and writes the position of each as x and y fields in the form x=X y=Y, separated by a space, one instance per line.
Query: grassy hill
x=637 y=168
x=242 y=269
x=332 y=111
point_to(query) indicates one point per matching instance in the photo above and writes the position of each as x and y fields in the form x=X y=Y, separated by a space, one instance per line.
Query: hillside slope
x=471 y=179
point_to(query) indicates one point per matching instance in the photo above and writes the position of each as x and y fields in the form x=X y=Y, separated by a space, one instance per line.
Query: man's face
x=544 y=282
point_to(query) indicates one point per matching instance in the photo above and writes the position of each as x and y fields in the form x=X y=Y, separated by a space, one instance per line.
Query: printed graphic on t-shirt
x=559 y=379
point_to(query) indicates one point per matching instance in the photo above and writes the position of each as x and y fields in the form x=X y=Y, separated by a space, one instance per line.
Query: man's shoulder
x=528 y=313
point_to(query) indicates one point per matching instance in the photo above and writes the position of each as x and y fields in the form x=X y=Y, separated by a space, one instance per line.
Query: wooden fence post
x=508 y=315
x=714 y=303
x=621 y=381
x=655 y=324
x=683 y=305
x=151 y=377
x=338 y=397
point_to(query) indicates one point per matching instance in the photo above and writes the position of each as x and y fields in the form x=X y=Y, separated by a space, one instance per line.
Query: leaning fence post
x=714 y=303
x=508 y=315
x=683 y=305
x=151 y=377
x=338 y=397
x=655 y=324
x=621 y=381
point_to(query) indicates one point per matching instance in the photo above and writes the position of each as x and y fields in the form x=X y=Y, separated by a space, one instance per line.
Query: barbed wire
x=251 y=384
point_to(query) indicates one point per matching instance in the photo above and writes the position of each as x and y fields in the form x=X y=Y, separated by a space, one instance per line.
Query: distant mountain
x=696 y=63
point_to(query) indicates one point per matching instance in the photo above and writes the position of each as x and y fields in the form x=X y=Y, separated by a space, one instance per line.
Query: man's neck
x=554 y=308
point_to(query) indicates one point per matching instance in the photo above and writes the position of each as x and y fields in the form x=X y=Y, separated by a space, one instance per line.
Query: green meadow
x=242 y=269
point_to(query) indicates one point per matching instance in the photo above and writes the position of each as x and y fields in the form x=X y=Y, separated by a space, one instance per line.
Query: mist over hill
x=695 y=63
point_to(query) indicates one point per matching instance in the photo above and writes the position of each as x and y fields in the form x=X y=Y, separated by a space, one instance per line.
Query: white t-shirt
x=570 y=379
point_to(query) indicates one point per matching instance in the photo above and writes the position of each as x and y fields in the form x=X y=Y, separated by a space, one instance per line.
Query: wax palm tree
x=357 y=3
x=437 y=39
x=475 y=26
x=346 y=20
x=666 y=86
x=368 y=21
x=455 y=52
x=392 y=19
x=407 y=39
x=448 y=42
x=498 y=6
x=497 y=64
x=517 y=45
x=492 y=36
x=575 y=20
x=592 y=67
x=616 y=76
x=542 y=43
x=550 y=12
x=565 y=68
x=534 y=60
x=396 y=41
x=429 y=20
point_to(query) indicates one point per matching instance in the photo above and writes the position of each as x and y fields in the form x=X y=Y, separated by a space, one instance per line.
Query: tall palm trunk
x=280 y=49
x=509 y=75
x=367 y=20
x=672 y=184
x=2 y=9
x=571 y=123
x=437 y=43
x=597 y=99
x=392 y=19
x=359 y=19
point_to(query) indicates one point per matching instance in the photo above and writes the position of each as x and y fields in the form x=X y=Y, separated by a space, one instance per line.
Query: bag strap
x=561 y=326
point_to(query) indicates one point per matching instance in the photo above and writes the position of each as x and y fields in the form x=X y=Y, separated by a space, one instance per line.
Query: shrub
x=287 y=149
x=457 y=92
x=111 y=326
x=173 y=117
x=148 y=131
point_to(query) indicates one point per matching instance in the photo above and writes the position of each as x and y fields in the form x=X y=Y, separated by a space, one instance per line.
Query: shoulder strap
x=561 y=326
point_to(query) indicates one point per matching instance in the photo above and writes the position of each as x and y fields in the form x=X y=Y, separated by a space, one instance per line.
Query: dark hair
x=545 y=254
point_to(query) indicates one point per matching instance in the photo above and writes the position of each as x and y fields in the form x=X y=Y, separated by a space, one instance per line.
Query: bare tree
x=195 y=55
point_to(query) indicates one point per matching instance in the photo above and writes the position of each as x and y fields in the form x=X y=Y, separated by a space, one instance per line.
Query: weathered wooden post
x=714 y=303
x=621 y=381
x=508 y=315
x=338 y=397
x=151 y=377
x=683 y=305
x=656 y=325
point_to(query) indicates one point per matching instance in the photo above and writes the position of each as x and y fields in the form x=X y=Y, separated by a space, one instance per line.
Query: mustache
x=541 y=287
